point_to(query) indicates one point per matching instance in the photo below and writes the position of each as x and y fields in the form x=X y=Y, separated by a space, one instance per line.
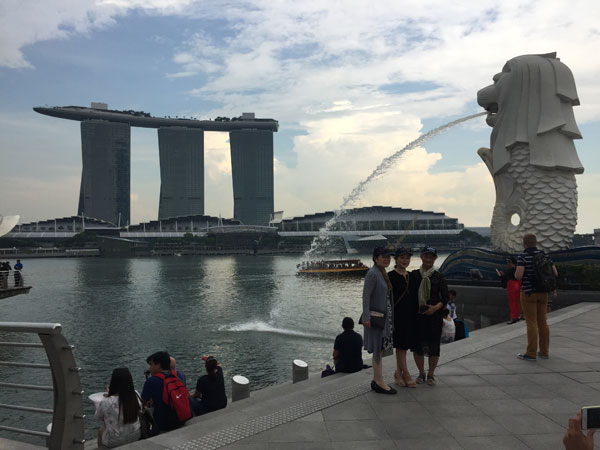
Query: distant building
x=61 y=228
x=106 y=173
x=375 y=225
x=373 y=220
x=181 y=152
x=105 y=181
x=252 y=172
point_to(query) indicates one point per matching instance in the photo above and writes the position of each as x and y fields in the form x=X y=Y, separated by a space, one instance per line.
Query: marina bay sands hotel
x=106 y=154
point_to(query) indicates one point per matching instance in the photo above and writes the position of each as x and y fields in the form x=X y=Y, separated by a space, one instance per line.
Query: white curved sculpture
x=7 y=223
x=532 y=159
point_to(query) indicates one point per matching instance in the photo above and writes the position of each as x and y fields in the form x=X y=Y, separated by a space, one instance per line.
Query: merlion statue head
x=531 y=102
x=532 y=158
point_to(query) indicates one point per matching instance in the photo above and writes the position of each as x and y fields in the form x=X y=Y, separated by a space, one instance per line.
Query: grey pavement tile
x=500 y=442
x=490 y=369
x=247 y=446
x=526 y=366
x=548 y=378
x=432 y=443
x=426 y=394
x=458 y=408
x=463 y=380
x=548 y=441
x=298 y=432
x=562 y=419
x=527 y=391
x=502 y=406
x=403 y=395
x=527 y=423
x=476 y=426
x=578 y=393
x=299 y=446
x=453 y=370
x=411 y=427
x=355 y=409
x=480 y=393
x=594 y=385
x=390 y=411
x=551 y=405
x=506 y=380
x=364 y=445
x=564 y=366
x=357 y=430
x=314 y=417
x=585 y=377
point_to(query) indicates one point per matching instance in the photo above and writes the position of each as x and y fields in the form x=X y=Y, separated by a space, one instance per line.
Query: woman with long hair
x=406 y=308
x=210 y=389
x=119 y=411
x=377 y=316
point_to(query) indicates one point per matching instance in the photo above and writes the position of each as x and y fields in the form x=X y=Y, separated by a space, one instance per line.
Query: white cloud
x=356 y=78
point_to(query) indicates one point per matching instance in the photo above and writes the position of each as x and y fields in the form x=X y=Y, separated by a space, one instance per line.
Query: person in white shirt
x=119 y=412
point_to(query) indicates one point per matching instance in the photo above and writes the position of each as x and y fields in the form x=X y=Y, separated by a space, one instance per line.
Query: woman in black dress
x=405 y=314
x=432 y=296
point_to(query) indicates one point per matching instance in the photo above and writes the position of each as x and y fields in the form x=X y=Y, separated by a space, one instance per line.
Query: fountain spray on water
x=322 y=241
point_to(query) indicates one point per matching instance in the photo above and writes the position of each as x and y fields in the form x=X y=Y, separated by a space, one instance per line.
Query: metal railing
x=67 y=431
x=11 y=279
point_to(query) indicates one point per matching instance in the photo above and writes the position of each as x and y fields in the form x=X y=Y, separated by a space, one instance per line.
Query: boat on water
x=347 y=267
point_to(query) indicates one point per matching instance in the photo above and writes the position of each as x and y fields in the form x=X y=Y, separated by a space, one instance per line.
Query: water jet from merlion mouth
x=321 y=241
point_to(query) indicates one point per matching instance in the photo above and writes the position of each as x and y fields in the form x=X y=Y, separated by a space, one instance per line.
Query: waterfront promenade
x=485 y=398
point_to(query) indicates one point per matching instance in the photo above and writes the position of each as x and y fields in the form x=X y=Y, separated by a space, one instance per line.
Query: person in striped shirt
x=534 y=304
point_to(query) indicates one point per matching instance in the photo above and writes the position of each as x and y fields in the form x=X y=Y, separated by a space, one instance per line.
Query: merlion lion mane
x=532 y=159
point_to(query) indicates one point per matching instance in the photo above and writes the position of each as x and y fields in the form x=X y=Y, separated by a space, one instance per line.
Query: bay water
x=253 y=313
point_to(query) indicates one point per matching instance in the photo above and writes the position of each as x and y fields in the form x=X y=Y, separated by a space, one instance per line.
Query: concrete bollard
x=240 y=388
x=299 y=371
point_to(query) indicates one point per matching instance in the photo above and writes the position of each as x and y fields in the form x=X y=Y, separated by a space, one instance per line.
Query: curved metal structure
x=7 y=223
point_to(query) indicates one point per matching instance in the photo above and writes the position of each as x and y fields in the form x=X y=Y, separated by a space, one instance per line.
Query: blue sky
x=350 y=83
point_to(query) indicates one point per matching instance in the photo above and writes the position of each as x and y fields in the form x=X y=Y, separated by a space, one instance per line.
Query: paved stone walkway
x=486 y=398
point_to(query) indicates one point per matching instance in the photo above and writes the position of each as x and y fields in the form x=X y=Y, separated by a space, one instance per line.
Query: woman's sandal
x=398 y=379
x=408 y=381
x=421 y=378
x=431 y=380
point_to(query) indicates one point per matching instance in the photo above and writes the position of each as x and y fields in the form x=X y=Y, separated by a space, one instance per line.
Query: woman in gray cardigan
x=377 y=297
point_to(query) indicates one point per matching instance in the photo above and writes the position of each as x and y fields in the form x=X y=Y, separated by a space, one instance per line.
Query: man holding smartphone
x=574 y=438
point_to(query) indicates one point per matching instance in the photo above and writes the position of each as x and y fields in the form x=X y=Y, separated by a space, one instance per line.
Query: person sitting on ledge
x=347 y=349
x=165 y=415
x=210 y=394
x=118 y=411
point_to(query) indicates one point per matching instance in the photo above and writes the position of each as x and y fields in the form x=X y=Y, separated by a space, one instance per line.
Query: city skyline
x=349 y=85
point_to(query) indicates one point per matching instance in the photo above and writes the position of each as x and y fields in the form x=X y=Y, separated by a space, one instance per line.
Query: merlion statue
x=532 y=158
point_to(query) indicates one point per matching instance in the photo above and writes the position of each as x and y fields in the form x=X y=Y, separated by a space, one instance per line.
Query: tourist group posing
x=165 y=403
x=403 y=310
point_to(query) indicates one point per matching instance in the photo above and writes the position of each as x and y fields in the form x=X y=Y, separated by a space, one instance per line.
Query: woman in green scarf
x=433 y=297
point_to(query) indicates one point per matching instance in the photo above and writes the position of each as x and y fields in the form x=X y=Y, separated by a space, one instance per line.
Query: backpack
x=543 y=275
x=460 y=330
x=176 y=396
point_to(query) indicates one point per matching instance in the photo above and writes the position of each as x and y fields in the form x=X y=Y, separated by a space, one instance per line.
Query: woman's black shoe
x=381 y=390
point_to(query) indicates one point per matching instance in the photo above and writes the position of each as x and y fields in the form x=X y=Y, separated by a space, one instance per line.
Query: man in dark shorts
x=534 y=304
x=347 y=349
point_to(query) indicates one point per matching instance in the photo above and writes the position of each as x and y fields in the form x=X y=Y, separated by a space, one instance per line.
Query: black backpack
x=543 y=275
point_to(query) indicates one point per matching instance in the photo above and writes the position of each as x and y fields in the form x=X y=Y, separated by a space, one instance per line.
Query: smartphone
x=590 y=417
x=498 y=272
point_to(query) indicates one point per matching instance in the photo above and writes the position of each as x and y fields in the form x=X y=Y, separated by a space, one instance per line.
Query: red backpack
x=176 y=395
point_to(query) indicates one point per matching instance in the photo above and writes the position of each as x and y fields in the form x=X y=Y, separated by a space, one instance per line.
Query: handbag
x=148 y=426
x=377 y=319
